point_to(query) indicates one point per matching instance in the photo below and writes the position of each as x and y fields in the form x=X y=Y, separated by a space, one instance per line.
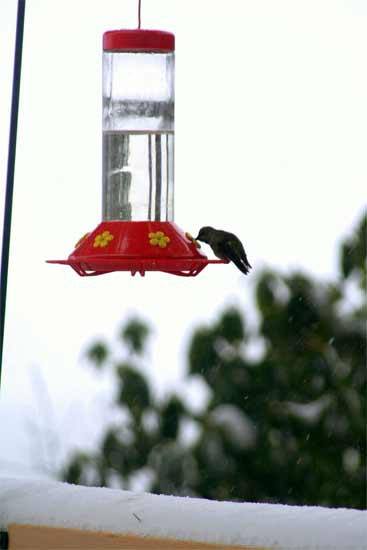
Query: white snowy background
x=271 y=140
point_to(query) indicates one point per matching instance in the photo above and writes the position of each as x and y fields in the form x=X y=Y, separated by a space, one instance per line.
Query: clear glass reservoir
x=138 y=125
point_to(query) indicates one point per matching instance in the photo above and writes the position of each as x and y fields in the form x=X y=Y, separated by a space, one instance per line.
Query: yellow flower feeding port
x=102 y=239
x=159 y=238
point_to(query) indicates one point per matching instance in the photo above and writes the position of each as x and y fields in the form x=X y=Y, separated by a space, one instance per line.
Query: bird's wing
x=235 y=252
x=243 y=254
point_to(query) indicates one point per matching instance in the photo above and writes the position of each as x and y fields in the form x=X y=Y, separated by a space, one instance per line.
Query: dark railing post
x=8 y=205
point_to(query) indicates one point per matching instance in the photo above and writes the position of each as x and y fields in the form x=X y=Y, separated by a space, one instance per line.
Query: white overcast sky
x=271 y=141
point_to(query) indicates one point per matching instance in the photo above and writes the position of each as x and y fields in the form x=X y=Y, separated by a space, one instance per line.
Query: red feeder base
x=137 y=247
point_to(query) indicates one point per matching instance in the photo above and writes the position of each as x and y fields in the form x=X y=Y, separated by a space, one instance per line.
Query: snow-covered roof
x=54 y=504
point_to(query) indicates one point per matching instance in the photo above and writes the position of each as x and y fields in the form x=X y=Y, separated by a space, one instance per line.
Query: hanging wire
x=139 y=14
x=8 y=205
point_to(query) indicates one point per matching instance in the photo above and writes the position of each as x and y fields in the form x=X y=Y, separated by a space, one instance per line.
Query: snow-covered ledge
x=146 y=521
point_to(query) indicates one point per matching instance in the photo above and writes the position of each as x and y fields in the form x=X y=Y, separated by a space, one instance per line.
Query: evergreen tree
x=286 y=427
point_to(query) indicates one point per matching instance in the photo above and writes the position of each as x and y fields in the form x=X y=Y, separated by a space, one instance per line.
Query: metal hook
x=139 y=14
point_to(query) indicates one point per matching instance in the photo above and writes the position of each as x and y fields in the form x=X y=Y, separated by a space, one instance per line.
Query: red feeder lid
x=138 y=40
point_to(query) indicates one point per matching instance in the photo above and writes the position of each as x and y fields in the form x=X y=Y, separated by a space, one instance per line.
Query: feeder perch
x=137 y=232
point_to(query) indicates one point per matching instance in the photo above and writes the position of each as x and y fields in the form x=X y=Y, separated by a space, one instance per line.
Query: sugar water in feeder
x=138 y=125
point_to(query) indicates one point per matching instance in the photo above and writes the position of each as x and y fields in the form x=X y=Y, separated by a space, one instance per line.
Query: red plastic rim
x=138 y=40
x=87 y=266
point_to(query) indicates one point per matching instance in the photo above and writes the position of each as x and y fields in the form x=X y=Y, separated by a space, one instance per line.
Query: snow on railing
x=50 y=515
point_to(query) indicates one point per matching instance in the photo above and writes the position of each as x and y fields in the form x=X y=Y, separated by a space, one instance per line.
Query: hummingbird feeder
x=137 y=232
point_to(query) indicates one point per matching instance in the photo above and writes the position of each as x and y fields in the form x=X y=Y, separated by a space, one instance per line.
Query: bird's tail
x=241 y=264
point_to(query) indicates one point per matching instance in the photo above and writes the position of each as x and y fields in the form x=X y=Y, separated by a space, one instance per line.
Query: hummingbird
x=225 y=246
